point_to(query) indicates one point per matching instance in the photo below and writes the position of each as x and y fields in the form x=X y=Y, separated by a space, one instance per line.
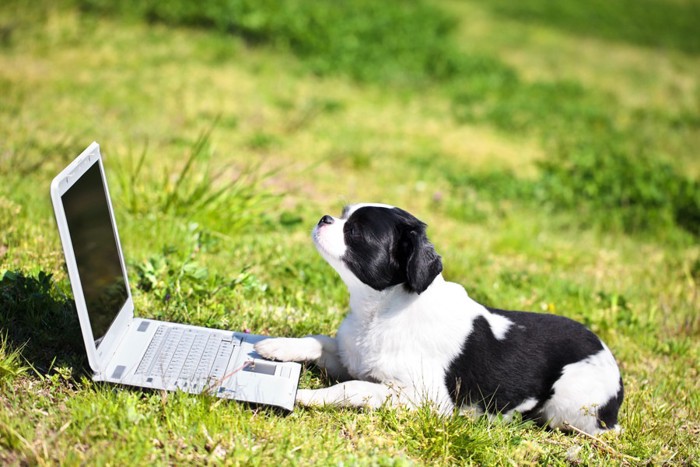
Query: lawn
x=552 y=150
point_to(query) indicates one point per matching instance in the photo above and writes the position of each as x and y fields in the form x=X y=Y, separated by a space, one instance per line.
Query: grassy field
x=556 y=164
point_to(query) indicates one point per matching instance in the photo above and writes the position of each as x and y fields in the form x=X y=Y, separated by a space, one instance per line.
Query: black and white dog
x=412 y=337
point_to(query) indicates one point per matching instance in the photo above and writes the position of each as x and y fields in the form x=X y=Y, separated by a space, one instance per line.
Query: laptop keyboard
x=188 y=358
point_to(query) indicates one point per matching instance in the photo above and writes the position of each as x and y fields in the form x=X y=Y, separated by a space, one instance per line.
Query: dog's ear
x=424 y=264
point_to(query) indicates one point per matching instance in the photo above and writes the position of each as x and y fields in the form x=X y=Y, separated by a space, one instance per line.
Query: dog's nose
x=326 y=220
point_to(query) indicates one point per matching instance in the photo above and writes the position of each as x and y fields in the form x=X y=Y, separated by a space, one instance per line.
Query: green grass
x=604 y=160
x=555 y=164
x=649 y=23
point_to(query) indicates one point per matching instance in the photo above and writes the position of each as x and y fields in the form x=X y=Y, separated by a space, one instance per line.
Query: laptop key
x=189 y=359
x=151 y=351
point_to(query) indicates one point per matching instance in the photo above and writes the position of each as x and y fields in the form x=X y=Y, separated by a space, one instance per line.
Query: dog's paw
x=286 y=349
x=275 y=349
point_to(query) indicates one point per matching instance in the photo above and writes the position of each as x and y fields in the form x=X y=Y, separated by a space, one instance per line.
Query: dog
x=412 y=337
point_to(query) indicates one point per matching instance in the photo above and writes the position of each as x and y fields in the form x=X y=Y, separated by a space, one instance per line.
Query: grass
x=622 y=21
x=552 y=178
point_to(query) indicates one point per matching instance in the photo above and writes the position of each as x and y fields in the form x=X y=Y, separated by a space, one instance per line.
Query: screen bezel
x=98 y=356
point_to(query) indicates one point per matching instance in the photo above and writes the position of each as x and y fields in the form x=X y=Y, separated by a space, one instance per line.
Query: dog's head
x=379 y=246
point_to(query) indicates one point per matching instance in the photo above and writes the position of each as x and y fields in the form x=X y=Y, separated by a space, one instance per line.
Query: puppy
x=412 y=337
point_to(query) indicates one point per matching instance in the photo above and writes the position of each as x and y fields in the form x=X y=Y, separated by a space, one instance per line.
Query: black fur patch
x=607 y=414
x=498 y=375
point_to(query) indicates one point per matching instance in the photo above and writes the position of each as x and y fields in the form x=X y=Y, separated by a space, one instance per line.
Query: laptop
x=146 y=353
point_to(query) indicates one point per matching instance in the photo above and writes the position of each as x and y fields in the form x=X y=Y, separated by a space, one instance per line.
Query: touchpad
x=263 y=368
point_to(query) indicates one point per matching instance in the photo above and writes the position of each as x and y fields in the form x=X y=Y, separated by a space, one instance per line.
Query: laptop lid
x=93 y=254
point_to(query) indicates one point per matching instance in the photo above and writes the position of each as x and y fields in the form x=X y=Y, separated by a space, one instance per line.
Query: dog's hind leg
x=321 y=350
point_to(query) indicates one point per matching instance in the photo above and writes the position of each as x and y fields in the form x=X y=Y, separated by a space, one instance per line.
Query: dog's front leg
x=353 y=394
x=321 y=350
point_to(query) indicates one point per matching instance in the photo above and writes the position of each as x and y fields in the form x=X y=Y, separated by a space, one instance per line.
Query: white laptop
x=140 y=352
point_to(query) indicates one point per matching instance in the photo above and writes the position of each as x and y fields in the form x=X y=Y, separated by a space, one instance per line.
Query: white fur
x=372 y=345
x=499 y=324
x=580 y=390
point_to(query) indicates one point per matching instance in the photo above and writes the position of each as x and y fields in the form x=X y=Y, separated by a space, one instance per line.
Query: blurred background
x=586 y=107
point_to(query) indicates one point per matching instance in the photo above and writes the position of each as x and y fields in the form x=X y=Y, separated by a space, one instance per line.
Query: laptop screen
x=96 y=252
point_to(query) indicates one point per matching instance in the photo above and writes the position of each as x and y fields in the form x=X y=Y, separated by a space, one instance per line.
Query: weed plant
x=198 y=190
x=11 y=363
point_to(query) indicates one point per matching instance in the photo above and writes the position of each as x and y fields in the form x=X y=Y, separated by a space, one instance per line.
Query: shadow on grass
x=40 y=320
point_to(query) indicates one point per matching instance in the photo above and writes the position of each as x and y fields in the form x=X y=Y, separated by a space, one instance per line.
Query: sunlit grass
x=216 y=232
